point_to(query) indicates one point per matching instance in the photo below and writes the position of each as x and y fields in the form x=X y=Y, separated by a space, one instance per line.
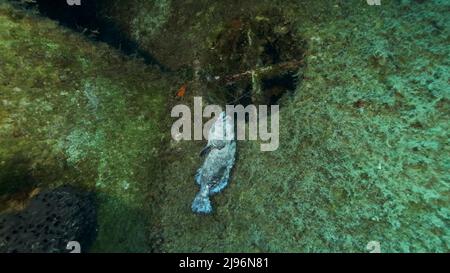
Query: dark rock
x=49 y=222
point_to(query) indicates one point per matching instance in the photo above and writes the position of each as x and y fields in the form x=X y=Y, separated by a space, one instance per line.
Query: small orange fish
x=182 y=91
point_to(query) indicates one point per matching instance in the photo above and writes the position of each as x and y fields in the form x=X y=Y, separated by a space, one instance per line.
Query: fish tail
x=201 y=204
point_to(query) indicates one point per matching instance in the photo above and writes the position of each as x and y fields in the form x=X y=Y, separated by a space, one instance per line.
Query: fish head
x=222 y=128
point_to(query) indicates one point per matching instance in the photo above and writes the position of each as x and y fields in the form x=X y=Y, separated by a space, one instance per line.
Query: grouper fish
x=220 y=152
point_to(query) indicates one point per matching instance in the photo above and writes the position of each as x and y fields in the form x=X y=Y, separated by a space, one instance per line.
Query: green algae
x=85 y=116
x=359 y=160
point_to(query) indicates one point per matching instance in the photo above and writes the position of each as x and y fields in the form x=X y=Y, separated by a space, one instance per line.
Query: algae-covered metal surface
x=86 y=95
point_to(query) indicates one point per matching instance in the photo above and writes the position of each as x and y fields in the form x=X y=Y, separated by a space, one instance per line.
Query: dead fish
x=220 y=153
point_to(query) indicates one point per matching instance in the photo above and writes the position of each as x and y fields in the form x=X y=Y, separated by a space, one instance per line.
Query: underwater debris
x=220 y=153
x=182 y=91
x=267 y=71
x=252 y=51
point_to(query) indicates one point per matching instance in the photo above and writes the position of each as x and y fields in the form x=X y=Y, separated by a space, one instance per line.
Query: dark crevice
x=87 y=20
x=277 y=86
